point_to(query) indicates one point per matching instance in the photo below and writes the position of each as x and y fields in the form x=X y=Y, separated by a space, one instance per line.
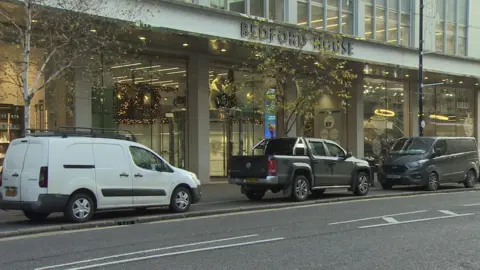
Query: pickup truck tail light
x=272 y=167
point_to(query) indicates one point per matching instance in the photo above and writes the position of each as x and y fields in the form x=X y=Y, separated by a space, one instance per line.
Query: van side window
x=148 y=161
x=454 y=146
x=441 y=145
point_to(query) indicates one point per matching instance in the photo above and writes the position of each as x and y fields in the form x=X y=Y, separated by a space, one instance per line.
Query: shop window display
x=384 y=120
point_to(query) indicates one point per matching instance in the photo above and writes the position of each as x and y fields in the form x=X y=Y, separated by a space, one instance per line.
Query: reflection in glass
x=276 y=10
x=317 y=17
x=347 y=23
x=380 y=24
x=257 y=8
x=392 y=27
x=302 y=14
x=332 y=20
x=368 y=21
x=217 y=4
x=405 y=30
x=237 y=6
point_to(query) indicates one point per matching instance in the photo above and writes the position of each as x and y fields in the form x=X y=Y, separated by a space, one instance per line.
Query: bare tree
x=66 y=32
x=299 y=79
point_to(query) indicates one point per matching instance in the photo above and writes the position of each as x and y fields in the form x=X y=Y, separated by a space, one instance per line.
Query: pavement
x=218 y=198
x=430 y=231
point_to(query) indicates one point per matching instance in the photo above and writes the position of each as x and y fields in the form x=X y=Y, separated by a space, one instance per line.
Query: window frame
x=336 y=145
x=312 y=148
x=159 y=160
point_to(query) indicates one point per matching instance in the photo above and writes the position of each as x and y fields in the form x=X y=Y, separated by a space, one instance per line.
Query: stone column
x=355 y=117
x=83 y=99
x=198 y=118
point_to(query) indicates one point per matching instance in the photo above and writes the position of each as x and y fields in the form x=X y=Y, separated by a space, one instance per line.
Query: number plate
x=11 y=193
x=393 y=176
x=250 y=180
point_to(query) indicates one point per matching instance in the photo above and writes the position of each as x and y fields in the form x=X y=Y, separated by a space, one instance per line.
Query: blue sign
x=270 y=119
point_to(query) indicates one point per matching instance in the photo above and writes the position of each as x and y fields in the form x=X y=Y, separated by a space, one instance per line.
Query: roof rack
x=68 y=131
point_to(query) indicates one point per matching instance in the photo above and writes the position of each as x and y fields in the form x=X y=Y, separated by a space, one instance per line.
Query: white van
x=78 y=175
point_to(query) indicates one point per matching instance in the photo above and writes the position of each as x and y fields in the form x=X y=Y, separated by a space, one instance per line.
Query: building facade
x=164 y=94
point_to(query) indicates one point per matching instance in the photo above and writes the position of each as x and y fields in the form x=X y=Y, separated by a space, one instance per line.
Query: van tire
x=362 y=184
x=181 y=200
x=35 y=216
x=83 y=201
x=432 y=182
x=470 y=179
x=300 y=188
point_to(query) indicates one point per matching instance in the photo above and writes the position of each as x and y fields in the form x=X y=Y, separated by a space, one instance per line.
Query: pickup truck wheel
x=362 y=184
x=255 y=195
x=300 y=188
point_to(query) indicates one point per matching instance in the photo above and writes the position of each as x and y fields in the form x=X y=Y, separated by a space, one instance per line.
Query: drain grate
x=125 y=222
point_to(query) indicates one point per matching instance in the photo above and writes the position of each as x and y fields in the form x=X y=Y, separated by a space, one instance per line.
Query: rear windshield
x=281 y=147
x=412 y=146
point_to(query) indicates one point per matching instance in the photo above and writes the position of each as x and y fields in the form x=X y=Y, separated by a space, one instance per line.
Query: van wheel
x=181 y=200
x=79 y=208
x=36 y=216
x=300 y=188
x=255 y=195
x=432 y=183
x=362 y=184
x=470 y=180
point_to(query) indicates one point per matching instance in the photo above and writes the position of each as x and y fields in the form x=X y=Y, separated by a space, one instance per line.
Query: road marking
x=54 y=233
x=377 y=217
x=178 y=253
x=473 y=204
x=446 y=212
x=218 y=202
x=146 y=251
x=413 y=221
x=390 y=220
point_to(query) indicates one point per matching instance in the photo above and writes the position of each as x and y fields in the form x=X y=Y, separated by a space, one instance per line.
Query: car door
x=114 y=180
x=456 y=155
x=342 y=168
x=151 y=182
x=322 y=170
x=12 y=170
x=442 y=161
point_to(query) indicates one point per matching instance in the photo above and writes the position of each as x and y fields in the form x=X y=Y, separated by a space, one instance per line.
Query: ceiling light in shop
x=173 y=83
x=460 y=82
x=176 y=72
x=121 y=77
x=476 y=83
x=438 y=117
x=147 y=80
x=126 y=65
x=167 y=69
x=185 y=44
x=126 y=80
x=223 y=50
x=426 y=78
x=148 y=67
x=166 y=81
x=385 y=113
x=93 y=30
x=142 y=38
x=34 y=21
x=407 y=75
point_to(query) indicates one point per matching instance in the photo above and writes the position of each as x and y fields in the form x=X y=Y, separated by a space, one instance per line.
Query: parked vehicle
x=298 y=167
x=79 y=172
x=431 y=161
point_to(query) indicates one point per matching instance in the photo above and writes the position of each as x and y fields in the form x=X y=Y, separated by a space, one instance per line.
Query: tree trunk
x=26 y=63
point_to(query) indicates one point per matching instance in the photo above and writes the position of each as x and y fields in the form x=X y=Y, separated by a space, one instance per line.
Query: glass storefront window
x=237 y=6
x=220 y=4
x=380 y=24
x=147 y=96
x=317 y=17
x=347 y=17
x=368 y=21
x=384 y=114
x=392 y=27
x=276 y=9
x=332 y=20
x=405 y=30
x=449 y=111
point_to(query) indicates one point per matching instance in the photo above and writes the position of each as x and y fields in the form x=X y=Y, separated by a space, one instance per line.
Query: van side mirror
x=437 y=152
x=300 y=151
x=349 y=155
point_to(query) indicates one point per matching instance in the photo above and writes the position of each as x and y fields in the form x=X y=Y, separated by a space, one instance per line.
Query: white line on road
x=412 y=221
x=178 y=253
x=473 y=204
x=377 y=217
x=446 y=212
x=390 y=220
x=146 y=251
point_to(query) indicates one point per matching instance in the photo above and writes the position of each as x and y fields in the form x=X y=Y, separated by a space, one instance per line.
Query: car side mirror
x=437 y=152
x=299 y=151
x=349 y=155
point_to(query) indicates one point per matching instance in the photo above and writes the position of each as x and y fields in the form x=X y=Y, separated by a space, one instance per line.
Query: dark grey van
x=430 y=161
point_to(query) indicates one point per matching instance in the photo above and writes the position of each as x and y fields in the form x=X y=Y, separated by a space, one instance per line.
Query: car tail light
x=272 y=167
x=43 y=179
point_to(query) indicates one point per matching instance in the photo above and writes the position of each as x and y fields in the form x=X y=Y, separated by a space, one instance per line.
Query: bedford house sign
x=294 y=38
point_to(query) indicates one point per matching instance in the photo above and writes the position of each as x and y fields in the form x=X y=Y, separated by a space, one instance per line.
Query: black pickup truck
x=299 y=167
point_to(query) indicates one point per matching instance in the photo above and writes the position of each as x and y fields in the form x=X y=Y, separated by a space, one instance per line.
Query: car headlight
x=417 y=164
x=195 y=178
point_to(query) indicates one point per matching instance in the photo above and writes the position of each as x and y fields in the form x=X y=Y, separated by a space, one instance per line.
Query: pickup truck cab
x=299 y=167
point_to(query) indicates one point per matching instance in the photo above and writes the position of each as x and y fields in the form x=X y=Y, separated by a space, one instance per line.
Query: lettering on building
x=293 y=38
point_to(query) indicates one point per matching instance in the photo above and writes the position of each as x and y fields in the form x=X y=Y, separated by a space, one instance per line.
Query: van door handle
x=138 y=175
x=123 y=175
x=15 y=175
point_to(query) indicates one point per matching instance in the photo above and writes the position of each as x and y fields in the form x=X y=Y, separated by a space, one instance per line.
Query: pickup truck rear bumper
x=269 y=180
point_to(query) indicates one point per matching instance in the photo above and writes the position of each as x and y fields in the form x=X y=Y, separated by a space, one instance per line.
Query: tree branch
x=12 y=22
x=41 y=71
x=52 y=77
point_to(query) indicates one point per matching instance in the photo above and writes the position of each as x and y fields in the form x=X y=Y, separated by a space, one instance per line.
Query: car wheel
x=362 y=185
x=181 y=200
x=433 y=182
x=317 y=193
x=80 y=208
x=301 y=188
x=470 y=180
x=255 y=195
x=386 y=186
x=35 y=216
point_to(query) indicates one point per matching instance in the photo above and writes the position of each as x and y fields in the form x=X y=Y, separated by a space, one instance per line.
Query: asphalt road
x=215 y=196
x=434 y=231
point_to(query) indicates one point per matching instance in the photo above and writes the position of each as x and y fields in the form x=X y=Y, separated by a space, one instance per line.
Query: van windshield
x=412 y=146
